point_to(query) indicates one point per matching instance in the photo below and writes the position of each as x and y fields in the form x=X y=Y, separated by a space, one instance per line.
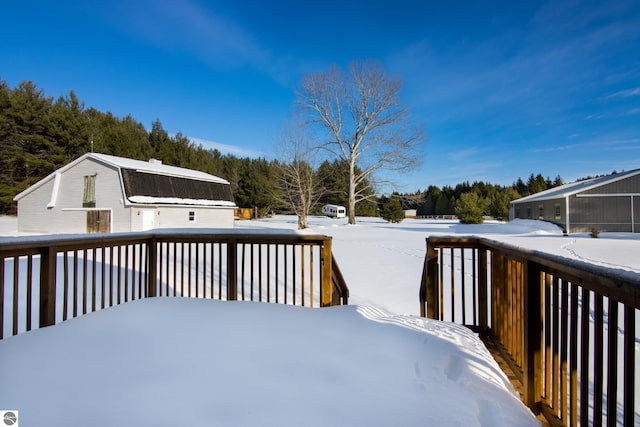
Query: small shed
x=103 y=193
x=608 y=203
x=411 y=213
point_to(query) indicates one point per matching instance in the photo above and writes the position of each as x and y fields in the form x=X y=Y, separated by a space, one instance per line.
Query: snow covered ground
x=168 y=361
x=382 y=262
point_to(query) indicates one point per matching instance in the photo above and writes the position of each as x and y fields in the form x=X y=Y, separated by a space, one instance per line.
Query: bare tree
x=301 y=187
x=363 y=120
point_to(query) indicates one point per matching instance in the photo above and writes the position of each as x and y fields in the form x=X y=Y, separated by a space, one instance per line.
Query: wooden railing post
x=152 y=265
x=232 y=270
x=48 y=261
x=483 y=291
x=326 y=293
x=532 y=366
x=431 y=283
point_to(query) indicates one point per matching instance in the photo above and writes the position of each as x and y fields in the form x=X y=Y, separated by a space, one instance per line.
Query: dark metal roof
x=137 y=183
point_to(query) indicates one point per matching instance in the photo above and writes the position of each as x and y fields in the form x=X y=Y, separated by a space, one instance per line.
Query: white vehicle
x=334 y=211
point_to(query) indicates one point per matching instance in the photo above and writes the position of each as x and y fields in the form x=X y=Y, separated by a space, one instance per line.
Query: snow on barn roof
x=576 y=187
x=155 y=167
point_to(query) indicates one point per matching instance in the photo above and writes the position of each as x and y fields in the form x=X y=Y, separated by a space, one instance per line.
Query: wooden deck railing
x=48 y=279
x=568 y=329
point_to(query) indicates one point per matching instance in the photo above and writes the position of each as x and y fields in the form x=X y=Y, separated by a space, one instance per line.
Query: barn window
x=192 y=216
x=558 y=214
x=540 y=211
x=89 y=198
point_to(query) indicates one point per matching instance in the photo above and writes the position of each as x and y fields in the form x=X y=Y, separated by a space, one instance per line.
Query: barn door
x=98 y=221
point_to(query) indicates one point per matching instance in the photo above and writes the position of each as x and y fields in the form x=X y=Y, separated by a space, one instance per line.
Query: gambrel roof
x=155 y=183
x=577 y=187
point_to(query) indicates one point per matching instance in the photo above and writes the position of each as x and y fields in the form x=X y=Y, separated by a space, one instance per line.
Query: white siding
x=68 y=215
x=205 y=217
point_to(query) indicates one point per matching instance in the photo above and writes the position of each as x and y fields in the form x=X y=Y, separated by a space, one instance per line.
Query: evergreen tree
x=392 y=211
x=499 y=207
x=470 y=208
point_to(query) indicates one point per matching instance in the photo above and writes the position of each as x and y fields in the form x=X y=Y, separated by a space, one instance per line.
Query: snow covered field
x=168 y=361
x=382 y=262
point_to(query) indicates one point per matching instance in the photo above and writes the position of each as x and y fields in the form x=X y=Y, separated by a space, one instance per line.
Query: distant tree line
x=472 y=201
x=39 y=134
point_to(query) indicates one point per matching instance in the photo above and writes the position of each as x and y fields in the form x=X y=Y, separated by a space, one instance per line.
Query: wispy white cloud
x=624 y=93
x=611 y=143
x=226 y=148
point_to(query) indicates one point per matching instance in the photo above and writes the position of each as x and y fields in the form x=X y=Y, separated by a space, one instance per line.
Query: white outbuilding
x=103 y=193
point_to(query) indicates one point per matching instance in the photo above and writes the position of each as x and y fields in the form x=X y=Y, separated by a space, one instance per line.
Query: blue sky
x=504 y=89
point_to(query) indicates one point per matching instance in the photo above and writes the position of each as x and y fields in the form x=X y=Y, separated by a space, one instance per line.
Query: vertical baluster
x=16 y=283
x=103 y=276
x=629 y=364
x=75 y=283
x=584 y=358
x=182 y=263
x=219 y=245
x=302 y=273
x=65 y=284
x=277 y=275
x=564 y=319
x=441 y=310
x=84 y=280
x=598 y=360
x=268 y=273
x=260 y=272
x=126 y=273
x=29 y=290
x=189 y=271
x=140 y=270
x=286 y=270
x=453 y=285
x=93 y=279
x=293 y=273
x=197 y=264
x=251 y=262
x=163 y=258
x=573 y=357
x=555 y=324
x=612 y=363
x=462 y=290
x=241 y=271
x=311 y=247
x=474 y=287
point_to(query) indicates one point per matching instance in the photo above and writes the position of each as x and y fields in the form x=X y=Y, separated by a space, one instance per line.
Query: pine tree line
x=476 y=199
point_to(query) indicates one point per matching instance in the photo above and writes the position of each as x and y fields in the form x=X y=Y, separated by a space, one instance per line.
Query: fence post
x=48 y=260
x=483 y=290
x=152 y=265
x=532 y=366
x=232 y=270
x=326 y=293
x=431 y=283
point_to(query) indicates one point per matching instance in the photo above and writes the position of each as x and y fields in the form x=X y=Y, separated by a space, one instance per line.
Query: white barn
x=103 y=193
